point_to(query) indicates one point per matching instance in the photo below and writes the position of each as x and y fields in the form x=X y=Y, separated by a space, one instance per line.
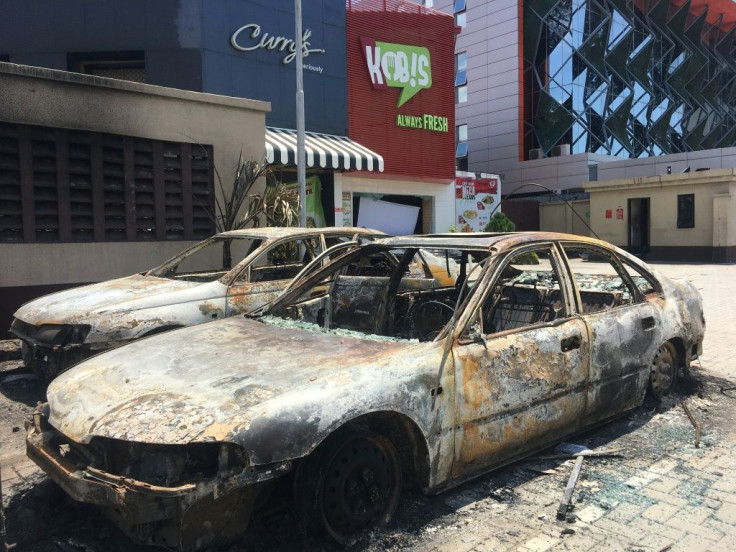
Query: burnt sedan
x=364 y=377
x=198 y=285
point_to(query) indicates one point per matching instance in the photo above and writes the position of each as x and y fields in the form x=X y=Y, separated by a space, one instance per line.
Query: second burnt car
x=230 y=273
x=365 y=377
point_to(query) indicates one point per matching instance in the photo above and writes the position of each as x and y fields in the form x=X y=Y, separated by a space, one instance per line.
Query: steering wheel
x=425 y=320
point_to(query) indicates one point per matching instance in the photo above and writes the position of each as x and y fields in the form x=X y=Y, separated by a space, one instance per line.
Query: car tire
x=663 y=370
x=351 y=483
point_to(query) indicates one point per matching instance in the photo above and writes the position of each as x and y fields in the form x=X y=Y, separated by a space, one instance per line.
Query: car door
x=624 y=327
x=521 y=373
x=269 y=273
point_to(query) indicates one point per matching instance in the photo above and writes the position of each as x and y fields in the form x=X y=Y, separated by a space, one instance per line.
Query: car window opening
x=396 y=294
x=207 y=261
x=598 y=280
x=526 y=292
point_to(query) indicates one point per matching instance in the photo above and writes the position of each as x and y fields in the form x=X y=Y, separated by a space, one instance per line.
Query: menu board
x=475 y=200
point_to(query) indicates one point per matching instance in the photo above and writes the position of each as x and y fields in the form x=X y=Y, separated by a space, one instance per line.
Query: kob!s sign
x=397 y=66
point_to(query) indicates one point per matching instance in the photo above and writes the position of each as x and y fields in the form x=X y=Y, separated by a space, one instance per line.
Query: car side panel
x=625 y=339
x=519 y=392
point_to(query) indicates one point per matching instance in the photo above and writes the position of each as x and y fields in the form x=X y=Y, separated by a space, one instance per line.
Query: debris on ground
x=565 y=505
x=695 y=424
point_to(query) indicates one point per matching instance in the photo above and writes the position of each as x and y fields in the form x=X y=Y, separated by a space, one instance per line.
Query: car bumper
x=187 y=517
x=48 y=360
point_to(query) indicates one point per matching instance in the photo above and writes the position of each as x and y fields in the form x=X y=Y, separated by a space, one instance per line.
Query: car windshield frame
x=312 y=278
x=260 y=243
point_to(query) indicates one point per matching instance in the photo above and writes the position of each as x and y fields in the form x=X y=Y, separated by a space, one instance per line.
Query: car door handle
x=570 y=343
x=648 y=323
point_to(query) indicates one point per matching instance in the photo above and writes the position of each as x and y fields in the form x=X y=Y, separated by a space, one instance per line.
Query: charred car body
x=198 y=285
x=359 y=380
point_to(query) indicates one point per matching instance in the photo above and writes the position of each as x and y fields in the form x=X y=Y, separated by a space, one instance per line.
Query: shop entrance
x=639 y=226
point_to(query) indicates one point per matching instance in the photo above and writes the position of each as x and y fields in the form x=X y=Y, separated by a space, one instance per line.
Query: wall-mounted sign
x=397 y=66
x=347 y=209
x=250 y=37
x=609 y=213
x=436 y=123
x=475 y=199
x=313 y=201
x=620 y=213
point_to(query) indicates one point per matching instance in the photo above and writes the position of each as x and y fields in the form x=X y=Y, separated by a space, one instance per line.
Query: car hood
x=209 y=382
x=77 y=304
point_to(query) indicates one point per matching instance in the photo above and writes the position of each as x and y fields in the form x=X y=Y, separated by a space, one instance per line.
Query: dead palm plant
x=238 y=206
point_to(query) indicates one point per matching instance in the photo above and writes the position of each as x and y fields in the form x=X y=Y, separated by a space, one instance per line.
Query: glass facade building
x=628 y=79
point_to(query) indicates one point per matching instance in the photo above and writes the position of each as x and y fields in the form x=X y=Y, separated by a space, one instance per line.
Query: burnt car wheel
x=353 y=484
x=663 y=374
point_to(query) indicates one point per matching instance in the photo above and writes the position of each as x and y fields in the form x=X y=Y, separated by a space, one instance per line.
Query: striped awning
x=326 y=151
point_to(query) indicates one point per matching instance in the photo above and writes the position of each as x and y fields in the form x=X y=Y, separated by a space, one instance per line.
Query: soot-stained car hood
x=210 y=382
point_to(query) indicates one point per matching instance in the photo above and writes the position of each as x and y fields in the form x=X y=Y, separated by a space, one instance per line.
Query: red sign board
x=401 y=88
x=609 y=213
x=620 y=213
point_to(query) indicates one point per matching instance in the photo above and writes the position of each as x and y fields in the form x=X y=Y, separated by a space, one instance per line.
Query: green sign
x=397 y=66
x=436 y=123
x=315 y=213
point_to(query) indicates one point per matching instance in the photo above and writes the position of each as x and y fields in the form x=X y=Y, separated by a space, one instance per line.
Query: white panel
x=388 y=217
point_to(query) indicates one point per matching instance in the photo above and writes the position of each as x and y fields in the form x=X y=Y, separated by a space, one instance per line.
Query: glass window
x=600 y=285
x=461 y=138
x=461 y=94
x=461 y=61
x=428 y=3
x=460 y=19
x=461 y=78
x=686 y=211
x=459 y=6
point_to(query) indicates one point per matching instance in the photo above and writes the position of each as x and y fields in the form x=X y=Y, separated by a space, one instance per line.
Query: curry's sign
x=397 y=65
x=424 y=122
x=254 y=39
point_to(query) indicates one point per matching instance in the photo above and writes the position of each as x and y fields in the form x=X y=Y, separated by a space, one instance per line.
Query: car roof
x=284 y=232
x=484 y=240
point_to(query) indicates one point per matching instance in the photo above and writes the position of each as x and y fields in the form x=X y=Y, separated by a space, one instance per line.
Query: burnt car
x=365 y=377
x=230 y=273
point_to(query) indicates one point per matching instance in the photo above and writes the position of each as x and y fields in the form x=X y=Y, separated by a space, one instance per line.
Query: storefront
x=401 y=105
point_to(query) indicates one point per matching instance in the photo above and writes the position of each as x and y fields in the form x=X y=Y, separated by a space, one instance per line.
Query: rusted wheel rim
x=664 y=370
x=361 y=486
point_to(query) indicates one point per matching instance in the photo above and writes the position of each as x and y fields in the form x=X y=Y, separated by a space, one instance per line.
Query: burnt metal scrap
x=336 y=384
x=696 y=425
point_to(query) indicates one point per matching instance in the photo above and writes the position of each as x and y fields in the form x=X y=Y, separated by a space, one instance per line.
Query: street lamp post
x=300 y=154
